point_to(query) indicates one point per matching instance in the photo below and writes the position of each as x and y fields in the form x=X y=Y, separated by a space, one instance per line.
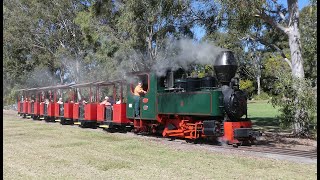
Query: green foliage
x=201 y=71
x=11 y=97
x=145 y=24
x=262 y=96
x=308 y=29
x=293 y=95
x=274 y=68
x=247 y=86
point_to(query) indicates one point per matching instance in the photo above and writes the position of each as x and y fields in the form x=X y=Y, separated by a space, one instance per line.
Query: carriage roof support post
x=23 y=95
x=17 y=97
x=121 y=91
x=38 y=96
x=50 y=96
x=54 y=95
x=73 y=95
x=114 y=92
x=43 y=96
x=98 y=95
x=90 y=97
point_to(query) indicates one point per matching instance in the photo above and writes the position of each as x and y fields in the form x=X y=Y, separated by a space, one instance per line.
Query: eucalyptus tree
x=270 y=24
x=269 y=14
x=145 y=25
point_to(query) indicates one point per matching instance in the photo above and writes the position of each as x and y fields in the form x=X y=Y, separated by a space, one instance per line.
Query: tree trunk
x=77 y=74
x=258 y=82
x=258 y=65
x=61 y=75
x=150 y=48
x=296 y=59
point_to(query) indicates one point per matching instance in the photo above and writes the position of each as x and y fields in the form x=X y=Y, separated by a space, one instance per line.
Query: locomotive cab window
x=144 y=78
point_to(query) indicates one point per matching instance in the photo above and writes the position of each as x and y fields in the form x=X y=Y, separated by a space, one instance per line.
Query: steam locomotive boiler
x=194 y=108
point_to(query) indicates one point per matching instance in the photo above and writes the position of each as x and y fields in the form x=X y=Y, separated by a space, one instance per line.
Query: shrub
x=10 y=98
x=262 y=96
x=301 y=98
x=247 y=86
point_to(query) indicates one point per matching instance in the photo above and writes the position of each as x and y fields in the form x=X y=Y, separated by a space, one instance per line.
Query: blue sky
x=199 y=31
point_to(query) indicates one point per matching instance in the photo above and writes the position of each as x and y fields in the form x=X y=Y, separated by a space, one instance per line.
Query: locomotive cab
x=147 y=101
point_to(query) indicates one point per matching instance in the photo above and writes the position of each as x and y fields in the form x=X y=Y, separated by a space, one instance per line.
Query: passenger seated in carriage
x=47 y=102
x=60 y=101
x=61 y=108
x=106 y=101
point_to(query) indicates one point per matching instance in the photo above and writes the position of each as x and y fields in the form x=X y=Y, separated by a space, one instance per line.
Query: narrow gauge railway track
x=254 y=148
x=279 y=151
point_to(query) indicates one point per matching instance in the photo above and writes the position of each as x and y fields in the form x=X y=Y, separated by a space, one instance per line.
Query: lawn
x=38 y=150
x=263 y=115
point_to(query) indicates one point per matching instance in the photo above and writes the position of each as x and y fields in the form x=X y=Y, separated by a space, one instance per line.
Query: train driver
x=138 y=91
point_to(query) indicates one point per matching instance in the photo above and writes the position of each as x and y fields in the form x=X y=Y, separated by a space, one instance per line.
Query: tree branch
x=270 y=45
x=270 y=21
x=282 y=54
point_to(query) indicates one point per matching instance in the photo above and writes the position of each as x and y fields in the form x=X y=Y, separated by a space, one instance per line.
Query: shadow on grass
x=265 y=121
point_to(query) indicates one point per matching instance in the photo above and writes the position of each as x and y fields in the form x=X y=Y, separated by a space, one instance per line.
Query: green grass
x=263 y=115
x=38 y=150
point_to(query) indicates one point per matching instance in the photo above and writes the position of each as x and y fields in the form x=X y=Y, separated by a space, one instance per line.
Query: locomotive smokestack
x=225 y=67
